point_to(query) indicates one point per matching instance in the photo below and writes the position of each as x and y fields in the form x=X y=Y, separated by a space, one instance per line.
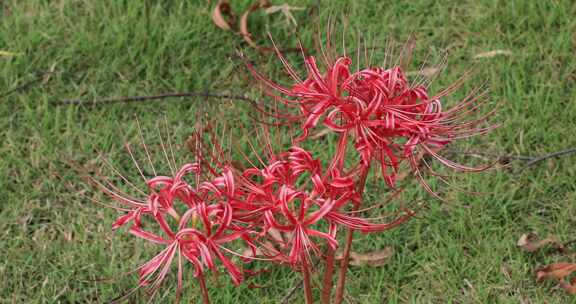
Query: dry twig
x=127 y=99
x=40 y=78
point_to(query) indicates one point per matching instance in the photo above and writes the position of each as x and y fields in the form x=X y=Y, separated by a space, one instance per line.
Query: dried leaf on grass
x=493 y=53
x=569 y=287
x=558 y=272
x=373 y=258
x=223 y=16
x=529 y=242
x=244 y=31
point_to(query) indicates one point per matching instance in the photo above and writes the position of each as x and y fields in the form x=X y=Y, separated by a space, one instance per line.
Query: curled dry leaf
x=264 y=4
x=556 y=271
x=373 y=259
x=493 y=53
x=244 y=31
x=529 y=242
x=569 y=287
x=223 y=9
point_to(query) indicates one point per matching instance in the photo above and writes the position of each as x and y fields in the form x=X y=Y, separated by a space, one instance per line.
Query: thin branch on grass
x=26 y=85
x=538 y=159
x=129 y=99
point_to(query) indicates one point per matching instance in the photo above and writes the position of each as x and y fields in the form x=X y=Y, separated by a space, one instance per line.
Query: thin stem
x=348 y=245
x=205 y=295
x=551 y=155
x=307 y=283
x=344 y=266
x=328 y=274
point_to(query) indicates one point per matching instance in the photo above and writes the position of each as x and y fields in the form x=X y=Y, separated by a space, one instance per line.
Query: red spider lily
x=199 y=245
x=293 y=195
x=201 y=233
x=163 y=191
x=386 y=117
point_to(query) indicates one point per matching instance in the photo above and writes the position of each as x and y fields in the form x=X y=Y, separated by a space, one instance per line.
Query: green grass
x=54 y=244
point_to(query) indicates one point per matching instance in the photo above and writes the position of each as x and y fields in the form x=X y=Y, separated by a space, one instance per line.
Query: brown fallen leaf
x=493 y=53
x=557 y=271
x=244 y=31
x=221 y=10
x=247 y=36
x=529 y=242
x=373 y=259
x=570 y=287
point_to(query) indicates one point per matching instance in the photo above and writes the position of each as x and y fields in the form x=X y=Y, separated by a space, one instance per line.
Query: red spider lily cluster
x=199 y=236
x=291 y=208
x=387 y=118
x=274 y=199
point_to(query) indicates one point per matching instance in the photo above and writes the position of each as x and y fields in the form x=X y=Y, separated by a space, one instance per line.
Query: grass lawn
x=55 y=244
